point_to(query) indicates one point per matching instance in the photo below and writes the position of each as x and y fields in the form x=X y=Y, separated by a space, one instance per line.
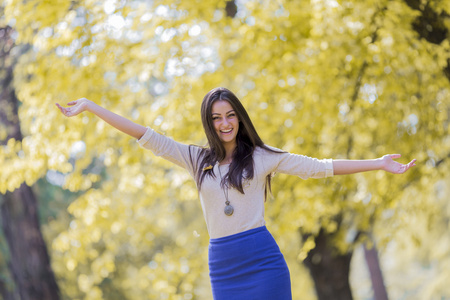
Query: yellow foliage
x=320 y=78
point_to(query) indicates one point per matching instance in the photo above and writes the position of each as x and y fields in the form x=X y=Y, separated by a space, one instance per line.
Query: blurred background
x=87 y=214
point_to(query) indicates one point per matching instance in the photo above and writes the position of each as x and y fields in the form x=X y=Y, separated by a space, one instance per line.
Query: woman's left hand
x=391 y=166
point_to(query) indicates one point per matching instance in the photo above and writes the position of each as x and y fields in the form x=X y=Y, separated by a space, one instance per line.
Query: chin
x=229 y=141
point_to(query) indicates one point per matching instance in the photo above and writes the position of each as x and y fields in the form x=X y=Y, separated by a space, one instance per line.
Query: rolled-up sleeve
x=329 y=167
x=145 y=138
x=180 y=154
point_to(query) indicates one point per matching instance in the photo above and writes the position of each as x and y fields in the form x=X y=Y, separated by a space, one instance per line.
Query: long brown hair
x=246 y=140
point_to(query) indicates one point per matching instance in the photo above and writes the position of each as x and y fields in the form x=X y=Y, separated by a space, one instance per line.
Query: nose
x=225 y=122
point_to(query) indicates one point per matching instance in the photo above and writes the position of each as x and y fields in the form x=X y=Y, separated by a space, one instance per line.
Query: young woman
x=233 y=177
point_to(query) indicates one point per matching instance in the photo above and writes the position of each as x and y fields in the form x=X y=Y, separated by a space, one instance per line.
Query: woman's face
x=225 y=121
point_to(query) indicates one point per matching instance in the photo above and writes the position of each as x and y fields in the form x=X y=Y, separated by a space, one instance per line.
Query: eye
x=232 y=115
x=215 y=118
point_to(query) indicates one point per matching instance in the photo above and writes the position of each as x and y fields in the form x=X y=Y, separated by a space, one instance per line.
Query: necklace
x=228 y=210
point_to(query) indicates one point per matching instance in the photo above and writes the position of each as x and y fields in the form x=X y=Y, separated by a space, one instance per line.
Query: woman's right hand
x=77 y=107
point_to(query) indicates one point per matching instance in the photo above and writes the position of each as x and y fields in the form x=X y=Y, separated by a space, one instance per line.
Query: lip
x=227 y=133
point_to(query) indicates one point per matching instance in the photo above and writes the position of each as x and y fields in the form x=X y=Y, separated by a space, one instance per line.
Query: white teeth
x=226 y=131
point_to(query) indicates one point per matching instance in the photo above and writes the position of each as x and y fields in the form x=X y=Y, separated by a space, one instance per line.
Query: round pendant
x=229 y=210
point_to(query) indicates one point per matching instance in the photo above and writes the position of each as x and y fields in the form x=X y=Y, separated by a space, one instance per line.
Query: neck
x=229 y=149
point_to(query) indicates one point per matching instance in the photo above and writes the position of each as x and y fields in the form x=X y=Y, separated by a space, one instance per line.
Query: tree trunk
x=30 y=263
x=376 y=276
x=430 y=25
x=6 y=292
x=330 y=271
x=231 y=9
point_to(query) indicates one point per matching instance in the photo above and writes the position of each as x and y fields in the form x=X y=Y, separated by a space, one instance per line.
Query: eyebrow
x=225 y=113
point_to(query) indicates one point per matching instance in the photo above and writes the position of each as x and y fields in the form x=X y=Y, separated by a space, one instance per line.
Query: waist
x=237 y=236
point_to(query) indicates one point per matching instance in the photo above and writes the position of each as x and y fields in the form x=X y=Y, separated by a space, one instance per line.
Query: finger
x=395 y=156
x=410 y=165
x=60 y=107
x=72 y=102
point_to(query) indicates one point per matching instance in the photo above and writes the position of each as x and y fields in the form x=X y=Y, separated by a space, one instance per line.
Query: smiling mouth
x=226 y=131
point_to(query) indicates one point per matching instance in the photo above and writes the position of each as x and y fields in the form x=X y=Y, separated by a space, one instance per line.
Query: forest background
x=327 y=79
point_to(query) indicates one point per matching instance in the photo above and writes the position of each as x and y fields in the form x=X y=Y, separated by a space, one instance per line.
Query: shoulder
x=267 y=151
x=198 y=151
x=267 y=158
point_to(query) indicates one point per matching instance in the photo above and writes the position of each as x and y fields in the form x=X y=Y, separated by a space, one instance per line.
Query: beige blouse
x=248 y=207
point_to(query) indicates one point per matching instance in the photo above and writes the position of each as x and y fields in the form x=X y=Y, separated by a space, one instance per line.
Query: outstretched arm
x=119 y=122
x=386 y=163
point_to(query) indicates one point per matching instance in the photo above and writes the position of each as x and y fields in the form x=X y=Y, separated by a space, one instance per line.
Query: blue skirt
x=247 y=266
